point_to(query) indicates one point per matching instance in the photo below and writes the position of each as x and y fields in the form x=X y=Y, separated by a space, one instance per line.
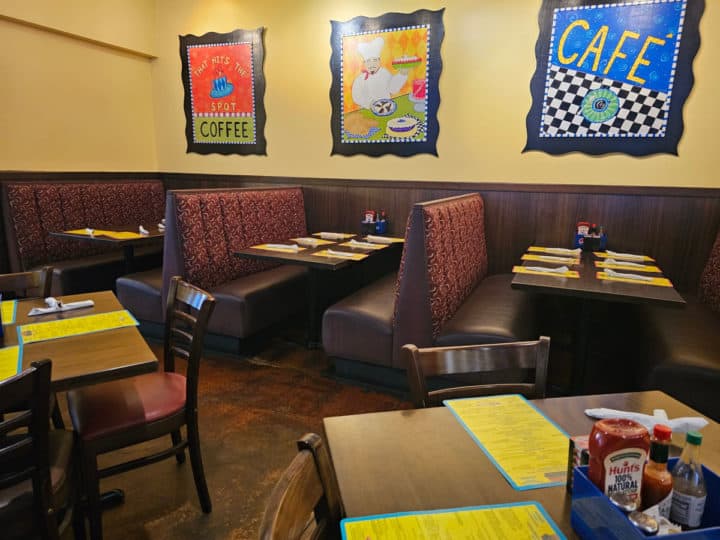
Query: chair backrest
x=513 y=359
x=709 y=289
x=36 y=283
x=304 y=502
x=186 y=318
x=24 y=446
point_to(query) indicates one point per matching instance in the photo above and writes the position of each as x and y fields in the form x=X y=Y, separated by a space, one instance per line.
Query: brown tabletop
x=128 y=245
x=88 y=358
x=425 y=460
x=590 y=287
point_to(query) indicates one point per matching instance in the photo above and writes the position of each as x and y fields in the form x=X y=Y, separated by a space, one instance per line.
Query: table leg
x=129 y=254
x=582 y=338
x=315 y=308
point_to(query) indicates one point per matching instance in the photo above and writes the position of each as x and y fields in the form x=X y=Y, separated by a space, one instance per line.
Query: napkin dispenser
x=374 y=222
x=590 y=237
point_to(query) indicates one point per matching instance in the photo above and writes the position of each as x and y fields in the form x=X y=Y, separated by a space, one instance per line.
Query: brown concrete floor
x=252 y=410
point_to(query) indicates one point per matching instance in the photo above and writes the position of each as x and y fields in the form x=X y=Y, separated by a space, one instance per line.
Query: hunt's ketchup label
x=618 y=452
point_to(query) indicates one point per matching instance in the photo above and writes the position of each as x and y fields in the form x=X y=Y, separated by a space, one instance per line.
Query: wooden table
x=128 y=245
x=317 y=268
x=88 y=358
x=588 y=289
x=425 y=460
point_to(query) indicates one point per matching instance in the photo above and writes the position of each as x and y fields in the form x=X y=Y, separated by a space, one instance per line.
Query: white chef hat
x=371 y=49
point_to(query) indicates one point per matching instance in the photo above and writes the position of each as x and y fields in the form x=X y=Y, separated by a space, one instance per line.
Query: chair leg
x=197 y=464
x=78 y=522
x=177 y=439
x=91 y=481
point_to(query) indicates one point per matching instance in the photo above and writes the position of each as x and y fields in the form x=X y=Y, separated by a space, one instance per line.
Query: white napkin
x=143 y=230
x=554 y=259
x=307 y=242
x=341 y=254
x=90 y=231
x=161 y=227
x=291 y=247
x=558 y=270
x=564 y=251
x=624 y=263
x=613 y=273
x=331 y=236
x=56 y=306
x=659 y=416
x=378 y=239
x=369 y=245
x=625 y=255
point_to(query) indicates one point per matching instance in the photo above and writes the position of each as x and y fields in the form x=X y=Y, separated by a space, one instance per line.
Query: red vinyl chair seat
x=105 y=409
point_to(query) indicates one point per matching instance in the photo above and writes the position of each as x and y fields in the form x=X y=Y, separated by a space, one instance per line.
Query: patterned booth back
x=709 y=290
x=211 y=225
x=36 y=209
x=444 y=259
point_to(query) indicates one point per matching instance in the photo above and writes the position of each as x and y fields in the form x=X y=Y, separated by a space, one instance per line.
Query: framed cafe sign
x=224 y=89
x=384 y=93
x=612 y=75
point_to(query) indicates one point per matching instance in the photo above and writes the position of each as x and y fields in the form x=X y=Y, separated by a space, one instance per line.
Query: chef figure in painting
x=375 y=82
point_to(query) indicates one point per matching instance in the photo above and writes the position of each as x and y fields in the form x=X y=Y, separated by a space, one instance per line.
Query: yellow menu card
x=513 y=521
x=527 y=448
x=8 y=308
x=43 y=331
x=9 y=362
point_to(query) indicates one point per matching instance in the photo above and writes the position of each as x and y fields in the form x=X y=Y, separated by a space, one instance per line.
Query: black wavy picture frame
x=635 y=146
x=376 y=24
x=258 y=57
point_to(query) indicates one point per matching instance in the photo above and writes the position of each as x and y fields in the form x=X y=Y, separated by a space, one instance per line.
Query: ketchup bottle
x=657 y=482
x=618 y=451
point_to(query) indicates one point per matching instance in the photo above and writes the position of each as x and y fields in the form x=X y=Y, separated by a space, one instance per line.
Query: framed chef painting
x=612 y=75
x=224 y=89
x=384 y=90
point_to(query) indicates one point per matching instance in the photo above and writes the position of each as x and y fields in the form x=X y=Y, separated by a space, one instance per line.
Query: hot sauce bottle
x=618 y=451
x=657 y=482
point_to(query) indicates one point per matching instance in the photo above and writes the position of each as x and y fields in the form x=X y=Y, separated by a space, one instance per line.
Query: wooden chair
x=122 y=413
x=36 y=469
x=36 y=283
x=305 y=502
x=438 y=361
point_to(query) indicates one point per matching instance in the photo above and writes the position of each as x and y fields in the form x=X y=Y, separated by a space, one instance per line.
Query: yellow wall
x=70 y=105
x=488 y=56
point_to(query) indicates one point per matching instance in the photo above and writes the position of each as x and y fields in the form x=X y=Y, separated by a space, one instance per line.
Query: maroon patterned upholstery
x=36 y=209
x=213 y=224
x=709 y=290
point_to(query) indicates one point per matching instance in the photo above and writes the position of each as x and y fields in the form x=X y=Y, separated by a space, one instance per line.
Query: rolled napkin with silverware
x=310 y=242
x=331 y=236
x=565 y=251
x=625 y=255
x=624 y=263
x=291 y=247
x=143 y=230
x=558 y=270
x=659 y=416
x=612 y=273
x=341 y=254
x=356 y=243
x=55 y=305
x=378 y=239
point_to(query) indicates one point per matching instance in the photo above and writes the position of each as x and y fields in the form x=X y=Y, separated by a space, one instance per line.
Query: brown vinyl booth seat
x=31 y=210
x=203 y=230
x=682 y=346
x=441 y=296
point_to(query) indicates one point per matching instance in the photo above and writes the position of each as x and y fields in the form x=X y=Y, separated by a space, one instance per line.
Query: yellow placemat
x=117 y=235
x=550 y=258
x=523 y=270
x=616 y=256
x=643 y=268
x=43 y=331
x=278 y=249
x=9 y=362
x=349 y=256
x=528 y=449
x=317 y=241
x=340 y=236
x=656 y=281
x=516 y=521
x=553 y=251
x=96 y=232
x=374 y=246
x=8 y=309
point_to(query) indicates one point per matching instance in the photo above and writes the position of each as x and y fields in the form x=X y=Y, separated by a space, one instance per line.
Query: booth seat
x=680 y=355
x=203 y=230
x=31 y=210
x=440 y=296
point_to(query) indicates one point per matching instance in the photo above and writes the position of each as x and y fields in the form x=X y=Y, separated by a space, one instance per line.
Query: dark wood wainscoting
x=676 y=225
